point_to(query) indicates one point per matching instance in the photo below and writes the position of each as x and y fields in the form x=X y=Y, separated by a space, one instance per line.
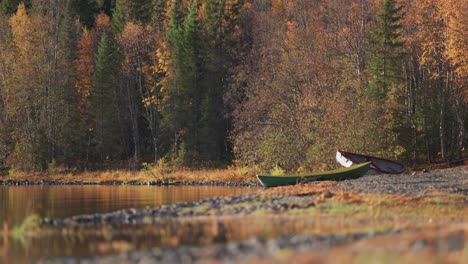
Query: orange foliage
x=85 y=67
x=103 y=23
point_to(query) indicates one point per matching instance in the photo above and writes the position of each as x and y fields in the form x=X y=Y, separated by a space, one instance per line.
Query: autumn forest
x=99 y=84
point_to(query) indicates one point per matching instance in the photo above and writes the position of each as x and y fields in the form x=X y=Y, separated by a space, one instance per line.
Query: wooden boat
x=352 y=172
x=348 y=159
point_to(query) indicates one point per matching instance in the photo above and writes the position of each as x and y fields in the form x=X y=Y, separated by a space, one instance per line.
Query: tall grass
x=162 y=171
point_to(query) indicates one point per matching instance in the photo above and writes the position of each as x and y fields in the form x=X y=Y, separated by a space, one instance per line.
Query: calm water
x=18 y=202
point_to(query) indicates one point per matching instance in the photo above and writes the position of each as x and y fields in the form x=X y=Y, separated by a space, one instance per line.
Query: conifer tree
x=119 y=16
x=159 y=13
x=141 y=11
x=173 y=90
x=192 y=66
x=105 y=100
x=69 y=124
x=386 y=85
x=86 y=11
x=8 y=7
x=387 y=50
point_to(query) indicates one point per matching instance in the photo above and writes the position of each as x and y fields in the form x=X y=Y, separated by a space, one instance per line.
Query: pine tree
x=119 y=16
x=158 y=14
x=8 y=7
x=192 y=65
x=105 y=100
x=216 y=60
x=386 y=85
x=173 y=91
x=86 y=11
x=141 y=11
x=70 y=125
x=387 y=54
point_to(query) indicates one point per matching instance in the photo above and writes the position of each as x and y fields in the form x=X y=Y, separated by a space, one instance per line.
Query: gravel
x=236 y=251
x=453 y=180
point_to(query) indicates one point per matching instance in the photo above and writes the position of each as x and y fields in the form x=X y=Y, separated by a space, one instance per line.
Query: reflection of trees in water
x=5 y=243
x=222 y=233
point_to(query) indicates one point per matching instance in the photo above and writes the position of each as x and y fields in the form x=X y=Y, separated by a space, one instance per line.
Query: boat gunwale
x=347 y=154
x=318 y=174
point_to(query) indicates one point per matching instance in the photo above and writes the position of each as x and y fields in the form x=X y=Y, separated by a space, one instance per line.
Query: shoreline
x=425 y=209
x=304 y=222
x=126 y=183
x=403 y=187
x=213 y=177
x=151 y=177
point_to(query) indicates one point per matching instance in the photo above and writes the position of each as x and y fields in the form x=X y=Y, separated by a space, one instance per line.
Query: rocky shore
x=136 y=183
x=345 y=199
x=232 y=252
x=452 y=180
x=218 y=206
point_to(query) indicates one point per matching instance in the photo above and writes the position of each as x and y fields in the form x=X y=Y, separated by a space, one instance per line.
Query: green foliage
x=119 y=16
x=141 y=11
x=8 y=7
x=69 y=123
x=387 y=51
x=86 y=11
x=160 y=169
x=183 y=93
x=159 y=11
x=194 y=87
x=273 y=83
x=105 y=101
x=52 y=167
x=386 y=86
x=277 y=171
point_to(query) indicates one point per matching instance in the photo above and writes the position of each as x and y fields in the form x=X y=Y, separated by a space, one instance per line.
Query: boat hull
x=347 y=159
x=352 y=172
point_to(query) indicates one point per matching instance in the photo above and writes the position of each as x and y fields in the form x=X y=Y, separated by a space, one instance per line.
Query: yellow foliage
x=457 y=44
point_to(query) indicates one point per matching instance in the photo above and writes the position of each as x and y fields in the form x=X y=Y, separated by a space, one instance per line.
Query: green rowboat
x=341 y=174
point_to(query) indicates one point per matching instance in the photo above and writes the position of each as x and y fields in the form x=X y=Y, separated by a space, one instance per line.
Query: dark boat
x=348 y=159
x=352 y=172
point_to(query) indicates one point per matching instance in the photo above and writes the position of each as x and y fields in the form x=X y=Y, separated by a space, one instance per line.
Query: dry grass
x=233 y=175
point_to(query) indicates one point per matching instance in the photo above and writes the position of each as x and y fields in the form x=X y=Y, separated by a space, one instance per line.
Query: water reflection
x=19 y=202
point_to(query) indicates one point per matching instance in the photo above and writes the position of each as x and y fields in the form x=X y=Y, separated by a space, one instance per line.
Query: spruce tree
x=192 y=64
x=386 y=85
x=8 y=7
x=386 y=46
x=69 y=122
x=105 y=100
x=86 y=11
x=141 y=11
x=158 y=13
x=119 y=16
x=173 y=93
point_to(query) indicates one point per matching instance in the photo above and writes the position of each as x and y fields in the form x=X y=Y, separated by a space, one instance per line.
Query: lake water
x=19 y=202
